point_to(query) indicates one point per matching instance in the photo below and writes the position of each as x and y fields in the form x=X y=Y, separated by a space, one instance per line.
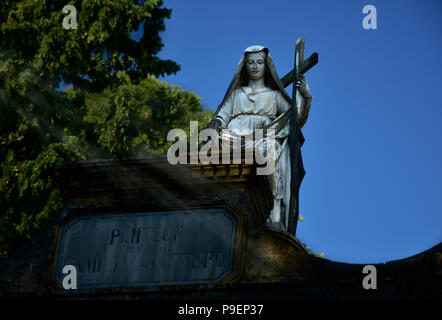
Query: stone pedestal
x=143 y=228
x=148 y=224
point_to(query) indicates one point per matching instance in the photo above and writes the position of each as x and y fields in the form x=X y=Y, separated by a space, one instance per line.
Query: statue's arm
x=303 y=105
x=225 y=112
x=305 y=109
x=222 y=117
x=306 y=100
x=282 y=104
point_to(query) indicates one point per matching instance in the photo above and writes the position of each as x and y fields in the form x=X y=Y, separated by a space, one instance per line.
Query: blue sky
x=373 y=150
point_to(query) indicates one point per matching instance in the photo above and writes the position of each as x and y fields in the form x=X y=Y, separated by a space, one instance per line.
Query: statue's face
x=255 y=65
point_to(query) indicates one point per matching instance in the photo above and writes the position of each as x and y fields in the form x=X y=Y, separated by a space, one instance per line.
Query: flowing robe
x=247 y=109
x=244 y=110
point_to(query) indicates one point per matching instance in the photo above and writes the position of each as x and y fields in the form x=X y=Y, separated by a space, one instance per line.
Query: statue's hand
x=215 y=124
x=302 y=86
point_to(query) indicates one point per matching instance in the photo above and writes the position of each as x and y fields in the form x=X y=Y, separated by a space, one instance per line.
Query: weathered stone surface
x=148 y=249
x=266 y=265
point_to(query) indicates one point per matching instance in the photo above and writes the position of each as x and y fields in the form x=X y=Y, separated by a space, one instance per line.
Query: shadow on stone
x=142 y=228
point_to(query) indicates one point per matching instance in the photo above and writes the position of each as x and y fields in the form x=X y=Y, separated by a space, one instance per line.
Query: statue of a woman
x=256 y=99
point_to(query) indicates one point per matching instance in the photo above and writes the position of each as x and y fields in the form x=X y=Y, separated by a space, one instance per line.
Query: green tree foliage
x=134 y=120
x=116 y=107
x=101 y=46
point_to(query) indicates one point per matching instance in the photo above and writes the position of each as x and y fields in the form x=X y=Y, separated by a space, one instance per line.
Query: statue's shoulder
x=243 y=89
x=277 y=92
x=279 y=95
x=235 y=92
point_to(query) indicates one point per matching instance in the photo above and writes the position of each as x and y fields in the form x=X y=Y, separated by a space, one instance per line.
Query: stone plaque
x=149 y=249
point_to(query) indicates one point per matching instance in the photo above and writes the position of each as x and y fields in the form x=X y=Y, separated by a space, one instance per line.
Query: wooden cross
x=301 y=66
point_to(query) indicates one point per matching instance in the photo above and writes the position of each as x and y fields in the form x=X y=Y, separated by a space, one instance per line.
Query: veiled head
x=241 y=75
x=255 y=64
